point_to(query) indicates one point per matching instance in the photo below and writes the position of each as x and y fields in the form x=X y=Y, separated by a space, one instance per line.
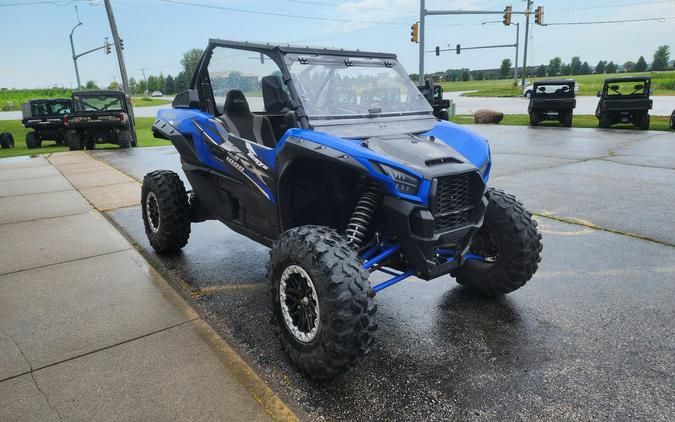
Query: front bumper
x=413 y=226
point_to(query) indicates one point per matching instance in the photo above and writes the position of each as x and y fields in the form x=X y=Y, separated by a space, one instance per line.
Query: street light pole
x=72 y=48
x=527 y=34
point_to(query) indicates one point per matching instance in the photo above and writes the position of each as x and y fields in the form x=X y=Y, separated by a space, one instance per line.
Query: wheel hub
x=299 y=303
x=152 y=212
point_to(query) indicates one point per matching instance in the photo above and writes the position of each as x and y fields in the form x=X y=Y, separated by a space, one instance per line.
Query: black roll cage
x=201 y=81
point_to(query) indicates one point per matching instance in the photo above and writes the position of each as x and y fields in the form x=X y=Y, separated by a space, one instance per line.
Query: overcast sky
x=35 y=51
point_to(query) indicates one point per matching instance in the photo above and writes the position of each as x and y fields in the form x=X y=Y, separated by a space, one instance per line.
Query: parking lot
x=589 y=337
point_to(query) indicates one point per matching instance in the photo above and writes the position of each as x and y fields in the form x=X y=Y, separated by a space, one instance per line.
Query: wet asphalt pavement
x=591 y=336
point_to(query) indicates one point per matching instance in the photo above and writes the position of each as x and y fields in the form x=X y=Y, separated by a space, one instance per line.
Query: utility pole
x=527 y=34
x=145 y=79
x=72 y=48
x=423 y=13
x=123 y=68
x=515 y=69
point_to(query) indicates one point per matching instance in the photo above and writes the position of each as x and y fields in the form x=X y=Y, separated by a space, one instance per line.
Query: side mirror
x=598 y=94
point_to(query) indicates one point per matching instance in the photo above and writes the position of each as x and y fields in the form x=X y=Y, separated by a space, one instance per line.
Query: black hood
x=427 y=155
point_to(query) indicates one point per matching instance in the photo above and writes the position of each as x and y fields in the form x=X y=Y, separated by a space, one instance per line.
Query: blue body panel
x=197 y=124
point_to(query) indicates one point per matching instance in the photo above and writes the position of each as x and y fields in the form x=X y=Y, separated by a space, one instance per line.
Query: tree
x=91 y=85
x=641 y=65
x=114 y=86
x=661 y=58
x=153 y=83
x=465 y=75
x=554 y=66
x=600 y=68
x=610 y=68
x=182 y=81
x=169 y=85
x=565 y=69
x=585 y=69
x=505 y=68
x=190 y=60
x=575 y=65
x=541 y=71
x=629 y=66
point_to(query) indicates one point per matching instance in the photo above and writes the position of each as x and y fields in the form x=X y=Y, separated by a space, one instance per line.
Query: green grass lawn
x=583 y=120
x=663 y=83
x=147 y=102
x=143 y=125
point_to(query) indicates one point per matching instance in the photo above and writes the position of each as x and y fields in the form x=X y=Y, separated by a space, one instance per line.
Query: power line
x=659 y=19
x=605 y=6
x=34 y=3
x=283 y=15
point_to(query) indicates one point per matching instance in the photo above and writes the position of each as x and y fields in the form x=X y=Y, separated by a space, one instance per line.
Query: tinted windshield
x=553 y=90
x=614 y=89
x=337 y=86
x=51 y=108
x=96 y=103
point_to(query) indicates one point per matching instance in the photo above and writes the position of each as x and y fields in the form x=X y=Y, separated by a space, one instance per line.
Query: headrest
x=236 y=104
x=275 y=98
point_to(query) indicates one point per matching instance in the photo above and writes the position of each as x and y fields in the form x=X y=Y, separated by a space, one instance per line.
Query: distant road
x=663 y=105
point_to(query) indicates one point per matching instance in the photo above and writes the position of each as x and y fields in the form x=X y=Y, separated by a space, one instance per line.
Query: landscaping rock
x=488 y=116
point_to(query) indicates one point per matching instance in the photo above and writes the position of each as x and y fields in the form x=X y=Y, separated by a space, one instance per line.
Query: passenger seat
x=241 y=122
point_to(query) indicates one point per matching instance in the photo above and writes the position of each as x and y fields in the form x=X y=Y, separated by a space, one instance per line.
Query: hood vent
x=442 y=160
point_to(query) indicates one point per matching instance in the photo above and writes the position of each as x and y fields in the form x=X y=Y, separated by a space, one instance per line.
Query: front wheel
x=32 y=140
x=567 y=119
x=322 y=304
x=74 y=140
x=534 y=119
x=166 y=211
x=510 y=245
x=644 y=122
x=6 y=140
x=672 y=121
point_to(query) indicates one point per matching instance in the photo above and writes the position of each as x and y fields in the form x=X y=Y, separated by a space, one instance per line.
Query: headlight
x=404 y=182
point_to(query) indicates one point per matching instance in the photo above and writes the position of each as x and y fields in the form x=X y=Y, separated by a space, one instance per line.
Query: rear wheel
x=6 y=140
x=74 y=140
x=672 y=121
x=32 y=140
x=566 y=119
x=534 y=119
x=510 y=244
x=322 y=304
x=644 y=122
x=124 y=138
x=604 y=121
x=166 y=212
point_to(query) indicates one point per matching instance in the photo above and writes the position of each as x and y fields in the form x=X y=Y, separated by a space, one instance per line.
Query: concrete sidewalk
x=88 y=330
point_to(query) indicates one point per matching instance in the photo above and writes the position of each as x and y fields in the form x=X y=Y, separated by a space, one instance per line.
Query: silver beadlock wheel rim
x=306 y=330
x=152 y=212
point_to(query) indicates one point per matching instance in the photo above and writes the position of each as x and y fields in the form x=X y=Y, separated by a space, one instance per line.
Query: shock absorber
x=363 y=215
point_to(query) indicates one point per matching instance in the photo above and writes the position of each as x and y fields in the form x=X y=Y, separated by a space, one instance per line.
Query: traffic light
x=438 y=50
x=459 y=48
x=106 y=46
x=507 y=15
x=415 y=32
x=121 y=44
x=539 y=15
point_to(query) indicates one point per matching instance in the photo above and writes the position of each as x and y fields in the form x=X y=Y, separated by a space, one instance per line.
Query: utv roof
x=628 y=79
x=97 y=93
x=50 y=100
x=287 y=48
x=555 y=82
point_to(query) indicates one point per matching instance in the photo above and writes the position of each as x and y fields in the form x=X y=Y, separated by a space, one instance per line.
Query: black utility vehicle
x=552 y=100
x=341 y=169
x=46 y=119
x=98 y=117
x=434 y=94
x=625 y=100
x=6 y=140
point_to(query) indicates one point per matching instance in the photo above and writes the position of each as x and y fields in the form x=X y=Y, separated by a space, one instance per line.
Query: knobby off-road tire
x=74 y=140
x=337 y=298
x=672 y=121
x=510 y=242
x=124 y=138
x=166 y=212
x=644 y=122
x=566 y=119
x=32 y=140
x=6 y=140
x=603 y=121
x=534 y=119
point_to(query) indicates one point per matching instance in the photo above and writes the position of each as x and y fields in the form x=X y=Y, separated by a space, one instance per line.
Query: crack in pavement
x=32 y=376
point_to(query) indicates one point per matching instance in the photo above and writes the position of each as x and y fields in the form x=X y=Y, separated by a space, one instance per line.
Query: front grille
x=453 y=202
